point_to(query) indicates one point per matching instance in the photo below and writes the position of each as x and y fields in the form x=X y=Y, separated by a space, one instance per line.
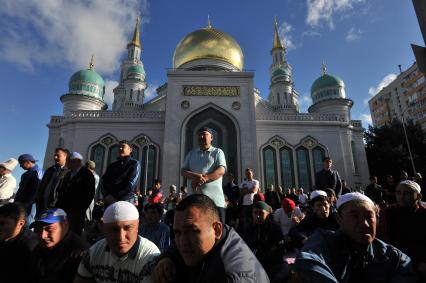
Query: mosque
x=208 y=86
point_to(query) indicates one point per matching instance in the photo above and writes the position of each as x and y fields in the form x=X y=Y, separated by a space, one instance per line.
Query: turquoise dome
x=87 y=82
x=327 y=81
x=136 y=69
x=281 y=72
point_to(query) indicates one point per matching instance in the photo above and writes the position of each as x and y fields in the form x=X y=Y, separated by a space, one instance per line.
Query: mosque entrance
x=225 y=135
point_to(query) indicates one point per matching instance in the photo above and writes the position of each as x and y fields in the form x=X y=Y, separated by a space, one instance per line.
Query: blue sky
x=43 y=42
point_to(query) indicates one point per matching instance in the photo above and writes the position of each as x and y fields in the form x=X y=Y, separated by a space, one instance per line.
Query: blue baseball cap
x=50 y=216
x=26 y=157
x=205 y=129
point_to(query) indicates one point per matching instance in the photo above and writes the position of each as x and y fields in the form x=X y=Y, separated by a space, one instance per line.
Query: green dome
x=136 y=69
x=87 y=76
x=327 y=81
x=87 y=83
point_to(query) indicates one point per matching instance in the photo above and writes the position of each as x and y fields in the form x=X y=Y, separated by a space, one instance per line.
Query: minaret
x=129 y=94
x=282 y=95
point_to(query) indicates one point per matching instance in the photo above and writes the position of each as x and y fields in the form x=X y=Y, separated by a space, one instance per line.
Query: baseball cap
x=26 y=157
x=205 y=129
x=50 y=216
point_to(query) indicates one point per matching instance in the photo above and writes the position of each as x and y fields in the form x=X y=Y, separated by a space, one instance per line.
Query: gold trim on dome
x=200 y=90
x=208 y=43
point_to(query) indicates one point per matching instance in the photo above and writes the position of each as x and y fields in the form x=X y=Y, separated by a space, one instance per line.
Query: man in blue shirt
x=155 y=230
x=352 y=254
x=204 y=168
x=29 y=182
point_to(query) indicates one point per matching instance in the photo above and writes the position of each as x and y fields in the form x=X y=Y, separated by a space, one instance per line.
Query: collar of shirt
x=211 y=148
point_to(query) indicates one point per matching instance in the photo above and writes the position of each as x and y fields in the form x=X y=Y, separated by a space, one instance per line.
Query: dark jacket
x=328 y=179
x=47 y=192
x=28 y=185
x=273 y=199
x=75 y=196
x=120 y=178
x=230 y=260
x=308 y=225
x=374 y=192
x=15 y=257
x=327 y=257
x=57 y=264
x=266 y=242
x=405 y=228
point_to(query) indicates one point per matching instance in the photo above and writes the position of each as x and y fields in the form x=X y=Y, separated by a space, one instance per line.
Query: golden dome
x=208 y=43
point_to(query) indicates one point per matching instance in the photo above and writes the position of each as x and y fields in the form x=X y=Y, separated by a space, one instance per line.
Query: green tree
x=387 y=151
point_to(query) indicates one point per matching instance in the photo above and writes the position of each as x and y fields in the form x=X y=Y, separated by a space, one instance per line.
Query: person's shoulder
x=386 y=251
x=146 y=247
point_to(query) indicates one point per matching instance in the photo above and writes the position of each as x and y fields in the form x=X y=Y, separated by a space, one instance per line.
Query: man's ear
x=217 y=227
x=21 y=222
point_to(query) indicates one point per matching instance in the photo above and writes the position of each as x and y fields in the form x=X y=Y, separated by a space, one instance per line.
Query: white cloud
x=109 y=95
x=304 y=102
x=285 y=30
x=67 y=33
x=372 y=91
x=353 y=34
x=366 y=119
x=310 y=33
x=150 y=92
x=324 y=10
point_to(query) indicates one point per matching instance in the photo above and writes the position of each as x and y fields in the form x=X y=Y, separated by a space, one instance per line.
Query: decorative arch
x=226 y=127
x=99 y=150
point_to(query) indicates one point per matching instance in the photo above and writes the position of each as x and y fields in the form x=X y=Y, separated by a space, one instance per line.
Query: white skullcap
x=120 y=211
x=318 y=193
x=412 y=185
x=351 y=197
x=76 y=155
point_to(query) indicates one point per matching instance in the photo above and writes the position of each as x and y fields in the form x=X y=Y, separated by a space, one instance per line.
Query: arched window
x=135 y=151
x=278 y=99
x=148 y=167
x=269 y=166
x=286 y=162
x=303 y=168
x=319 y=155
x=97 y=154
x=113 y=153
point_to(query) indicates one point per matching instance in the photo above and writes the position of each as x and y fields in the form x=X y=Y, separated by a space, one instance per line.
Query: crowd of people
x=67 y=224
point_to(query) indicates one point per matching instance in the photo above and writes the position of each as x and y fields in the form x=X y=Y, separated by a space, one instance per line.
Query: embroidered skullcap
x=120 y=211
x=351 y=197
x=318 y=193
x=412 y=185
x=76 y=155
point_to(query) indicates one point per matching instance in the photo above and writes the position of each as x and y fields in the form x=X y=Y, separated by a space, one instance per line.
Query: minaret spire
x=277 y=41
x=324 y=68
x=92 y=62
x=209 y=23
x=136 y=37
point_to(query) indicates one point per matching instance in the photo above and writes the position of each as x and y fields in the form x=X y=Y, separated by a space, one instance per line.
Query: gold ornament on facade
x=208 y=43
x=196 y=90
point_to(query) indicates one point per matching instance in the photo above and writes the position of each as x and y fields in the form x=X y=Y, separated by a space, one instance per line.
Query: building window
x=303 y=166
x=113 y=153
x=318 y=154
x=286 y=162
x=269 y=166
x=97 y=155
x=148 y=167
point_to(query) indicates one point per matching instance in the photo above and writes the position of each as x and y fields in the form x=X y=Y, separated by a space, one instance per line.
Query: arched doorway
x=225 y=135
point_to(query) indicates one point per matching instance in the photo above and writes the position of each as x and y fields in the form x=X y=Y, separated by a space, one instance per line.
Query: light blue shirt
x=205 y=162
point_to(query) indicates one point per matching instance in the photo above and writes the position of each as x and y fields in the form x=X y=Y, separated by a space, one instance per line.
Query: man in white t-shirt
x=249 y=187
x=122 y=256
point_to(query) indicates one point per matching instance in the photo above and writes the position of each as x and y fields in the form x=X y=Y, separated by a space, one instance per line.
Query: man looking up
x=206 y=250
x=16 y=243
x=53 y=178
x=204 y=168
x=29 y=182
x=122 y=256
x=328 y=178
x=249 y=187
x=120 y=179
x=352 y=254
